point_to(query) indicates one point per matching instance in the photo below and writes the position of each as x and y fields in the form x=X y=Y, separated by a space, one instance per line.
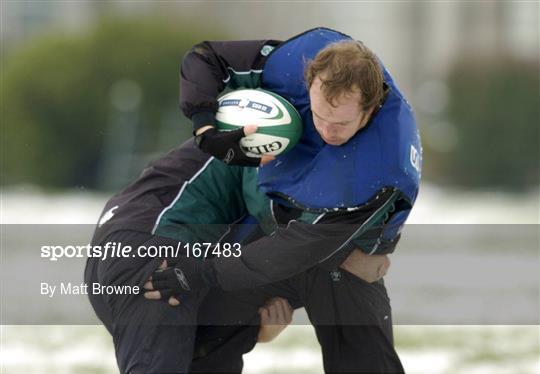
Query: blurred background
x=89 y=94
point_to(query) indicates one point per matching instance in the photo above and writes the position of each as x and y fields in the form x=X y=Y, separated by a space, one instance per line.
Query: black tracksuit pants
x=351 y=317
x=149 y=336
x=352 y=321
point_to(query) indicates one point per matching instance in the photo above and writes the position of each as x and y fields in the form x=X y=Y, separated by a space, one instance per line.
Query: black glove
x=186 y=275
x=225 y=146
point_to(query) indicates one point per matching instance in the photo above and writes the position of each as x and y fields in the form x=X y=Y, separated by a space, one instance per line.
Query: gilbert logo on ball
x=279 y=124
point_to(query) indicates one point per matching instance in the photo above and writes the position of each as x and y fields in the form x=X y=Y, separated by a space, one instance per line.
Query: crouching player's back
x=183 y=198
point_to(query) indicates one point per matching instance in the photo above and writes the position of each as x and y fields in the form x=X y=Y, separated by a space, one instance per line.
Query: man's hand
x=369 y=268
x=275 y=316
x=172 y=280
x=151 y=294
x=225 y=146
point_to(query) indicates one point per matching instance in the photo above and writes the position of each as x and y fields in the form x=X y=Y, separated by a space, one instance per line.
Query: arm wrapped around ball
x=225 y=146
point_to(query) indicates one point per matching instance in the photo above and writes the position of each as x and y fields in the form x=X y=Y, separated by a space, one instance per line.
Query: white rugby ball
x=278 y=121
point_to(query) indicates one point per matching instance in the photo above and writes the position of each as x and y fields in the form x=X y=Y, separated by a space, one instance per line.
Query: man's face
x=336 y=124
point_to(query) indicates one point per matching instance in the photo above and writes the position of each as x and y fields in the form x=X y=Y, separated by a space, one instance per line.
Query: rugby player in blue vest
x=357 y=165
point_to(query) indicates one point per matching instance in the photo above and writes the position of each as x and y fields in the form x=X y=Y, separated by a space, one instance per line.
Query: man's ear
x=370 y=111
x=367 y=116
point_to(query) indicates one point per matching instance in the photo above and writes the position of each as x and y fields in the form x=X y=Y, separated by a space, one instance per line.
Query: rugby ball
x=279 y=124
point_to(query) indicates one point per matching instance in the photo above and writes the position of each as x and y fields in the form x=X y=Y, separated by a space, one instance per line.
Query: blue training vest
x=319 y=176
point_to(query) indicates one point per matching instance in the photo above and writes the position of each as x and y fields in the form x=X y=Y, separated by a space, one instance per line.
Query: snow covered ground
x=423 y=348
x=27 y=204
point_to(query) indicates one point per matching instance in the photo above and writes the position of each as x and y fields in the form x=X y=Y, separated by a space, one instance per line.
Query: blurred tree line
x=494 y=108
x=78 y=109
x=67 y=99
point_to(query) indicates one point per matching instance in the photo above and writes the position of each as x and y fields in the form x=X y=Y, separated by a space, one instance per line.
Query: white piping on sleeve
x=182 y=189
x=247 y=72
x=375 y=246
x=318 y=218
x=359 y=229
x=272 y=211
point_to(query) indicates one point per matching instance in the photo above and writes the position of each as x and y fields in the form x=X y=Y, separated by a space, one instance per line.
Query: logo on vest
x=415 y=158
x=266 y=49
